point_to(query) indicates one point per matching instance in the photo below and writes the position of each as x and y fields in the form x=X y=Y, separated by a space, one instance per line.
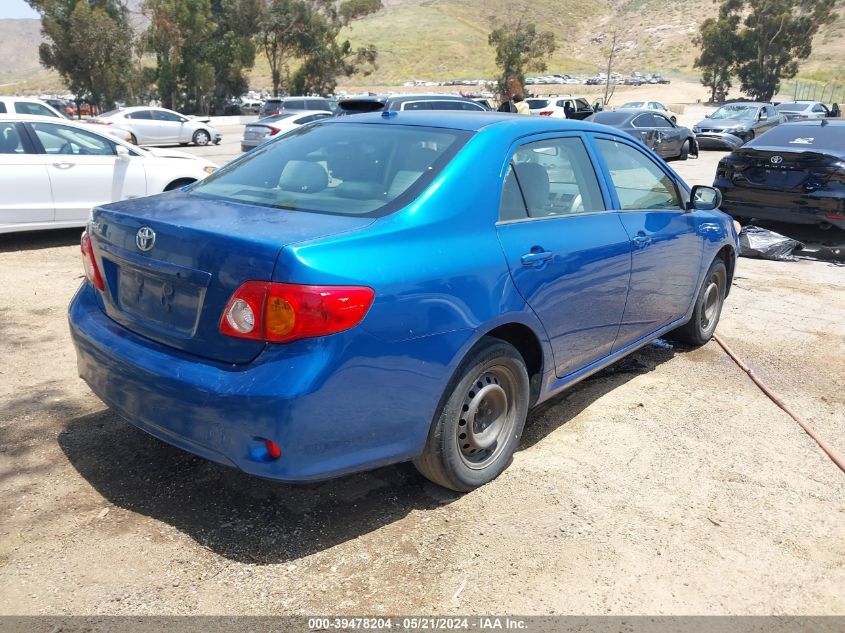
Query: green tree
x=89 y=43
x=327 y=55
x=518 y=49
x=778 y=35
x=178 y=34
x=232 y=46
x=284 y=35
x=720 y=48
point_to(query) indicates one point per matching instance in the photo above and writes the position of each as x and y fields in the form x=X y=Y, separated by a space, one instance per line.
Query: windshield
x=791 y=107
x=734 y=111
x=345 y=169
x=533 y=104
x=633 y=104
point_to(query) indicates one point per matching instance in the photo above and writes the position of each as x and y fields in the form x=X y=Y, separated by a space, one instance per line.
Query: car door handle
x=63 y=165
x=641 y=241
x=537 y=257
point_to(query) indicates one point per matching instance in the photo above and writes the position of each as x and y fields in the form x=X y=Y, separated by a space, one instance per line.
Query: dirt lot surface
x=666 y=485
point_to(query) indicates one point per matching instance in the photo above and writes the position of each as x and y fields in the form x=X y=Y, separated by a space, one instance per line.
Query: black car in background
x=795 y=173
x=668 y=140
x=394 y=103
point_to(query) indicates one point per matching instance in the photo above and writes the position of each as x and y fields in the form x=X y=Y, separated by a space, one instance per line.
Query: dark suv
x=280 y=105
x=390 y=103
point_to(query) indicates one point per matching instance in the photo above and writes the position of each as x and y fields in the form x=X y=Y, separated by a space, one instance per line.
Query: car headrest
x=534 y=180
x=303 y=176
x=419 y=159
x=9 y=141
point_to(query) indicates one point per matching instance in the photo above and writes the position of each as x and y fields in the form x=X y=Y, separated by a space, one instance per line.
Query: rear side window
x=10 y=140
x=639 y=182
x=294 y=104
x=550 y=178
x=317 y=104
x=2 y=108
x=25 y=107
x=61 y=139
x=344 y=169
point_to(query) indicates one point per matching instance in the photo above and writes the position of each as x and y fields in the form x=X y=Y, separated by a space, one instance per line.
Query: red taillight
x=547 y=113
x=281 y=313
x=273 y=131
x=273 y=449
x=89 y=263
x=835 y=216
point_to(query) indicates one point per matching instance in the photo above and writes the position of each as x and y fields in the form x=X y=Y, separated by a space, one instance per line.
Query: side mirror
x=121 y=151
x=704 y=198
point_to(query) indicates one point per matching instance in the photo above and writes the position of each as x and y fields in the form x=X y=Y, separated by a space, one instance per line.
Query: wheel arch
x=728 y=255
x=178 y=183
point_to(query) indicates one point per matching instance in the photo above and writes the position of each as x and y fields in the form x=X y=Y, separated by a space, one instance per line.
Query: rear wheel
x=708 y=307
x=201 y=137
x=480 y=421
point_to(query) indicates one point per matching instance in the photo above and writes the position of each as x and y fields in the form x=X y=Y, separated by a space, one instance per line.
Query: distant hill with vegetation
x=447 y=39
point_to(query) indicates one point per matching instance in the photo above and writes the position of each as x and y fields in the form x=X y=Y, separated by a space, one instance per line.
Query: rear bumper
x=306 y=396
x=818 y=207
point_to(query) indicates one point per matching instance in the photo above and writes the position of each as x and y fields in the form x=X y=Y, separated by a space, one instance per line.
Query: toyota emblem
x=776 y=160
x=145 y=238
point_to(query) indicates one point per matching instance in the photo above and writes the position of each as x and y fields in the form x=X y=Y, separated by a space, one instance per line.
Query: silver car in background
x=734 y=124
x=159 y=126
x=801 y=110
x=264 y=129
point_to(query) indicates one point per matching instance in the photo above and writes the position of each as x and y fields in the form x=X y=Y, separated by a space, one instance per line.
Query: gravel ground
x=666 y=485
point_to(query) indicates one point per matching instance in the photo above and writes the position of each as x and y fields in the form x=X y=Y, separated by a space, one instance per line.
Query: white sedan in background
x=263 y=129
x=650 y=105
x=159 y=126
x=53 y=172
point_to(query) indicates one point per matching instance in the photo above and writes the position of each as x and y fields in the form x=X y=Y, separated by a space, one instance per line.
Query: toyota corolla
x=390 y=287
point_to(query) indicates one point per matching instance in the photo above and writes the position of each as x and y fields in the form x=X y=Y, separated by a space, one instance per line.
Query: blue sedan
x=390 y=287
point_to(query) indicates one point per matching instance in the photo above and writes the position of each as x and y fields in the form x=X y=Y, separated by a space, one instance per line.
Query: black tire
x=201 y=138
x=176 y=184
x=684 y=151
x=708 y=307
x=491 y=387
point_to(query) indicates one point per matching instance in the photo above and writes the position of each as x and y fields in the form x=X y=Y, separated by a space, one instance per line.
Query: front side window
x=10 y=140
x=25 y=107
x=344 y=169
x=142 y=115
x=170 y=117
x=61 y=139
x=547 y=178
x=639 y=182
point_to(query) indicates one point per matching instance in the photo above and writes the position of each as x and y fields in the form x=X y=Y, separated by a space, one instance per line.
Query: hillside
x=447 y=39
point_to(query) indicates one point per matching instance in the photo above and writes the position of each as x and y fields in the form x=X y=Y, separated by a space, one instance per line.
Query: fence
x=830 y=92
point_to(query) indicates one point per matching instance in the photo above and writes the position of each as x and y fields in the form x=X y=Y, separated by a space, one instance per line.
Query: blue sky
x=16 y=9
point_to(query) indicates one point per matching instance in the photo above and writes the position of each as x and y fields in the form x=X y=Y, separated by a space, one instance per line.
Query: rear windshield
x=791 y=107
x=278 y=117
x=533 y=104
x=828 y=139
x=610 y=118
x=633 y=104
x=344 y=169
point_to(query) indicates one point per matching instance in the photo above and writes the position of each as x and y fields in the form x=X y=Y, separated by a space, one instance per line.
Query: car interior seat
x=303 y=176
x=534 y=180
x=412 y=166
x=10 y=141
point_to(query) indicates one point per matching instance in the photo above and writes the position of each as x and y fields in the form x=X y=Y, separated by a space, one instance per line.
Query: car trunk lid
x=171 y=263
x=781 y=170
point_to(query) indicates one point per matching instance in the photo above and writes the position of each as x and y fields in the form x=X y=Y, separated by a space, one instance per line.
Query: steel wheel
x=201 y=137
x=477 y=427
x=707 y=308
x=487 y=417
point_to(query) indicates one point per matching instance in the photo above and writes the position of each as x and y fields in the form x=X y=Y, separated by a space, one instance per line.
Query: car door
x=143 y=126
x=569 y=258
x=667 y=251
x=170 y=127
x=26 y=195
x=644 y=130
x=84 y=170
x=670 y=138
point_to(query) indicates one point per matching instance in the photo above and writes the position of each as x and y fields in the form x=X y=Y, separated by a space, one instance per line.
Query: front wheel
x=684 y=151
x=481 y=418
x=201 y=137
x=708 y=307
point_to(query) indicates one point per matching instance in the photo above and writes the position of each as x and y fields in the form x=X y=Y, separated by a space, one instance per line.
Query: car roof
x=469 y=121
